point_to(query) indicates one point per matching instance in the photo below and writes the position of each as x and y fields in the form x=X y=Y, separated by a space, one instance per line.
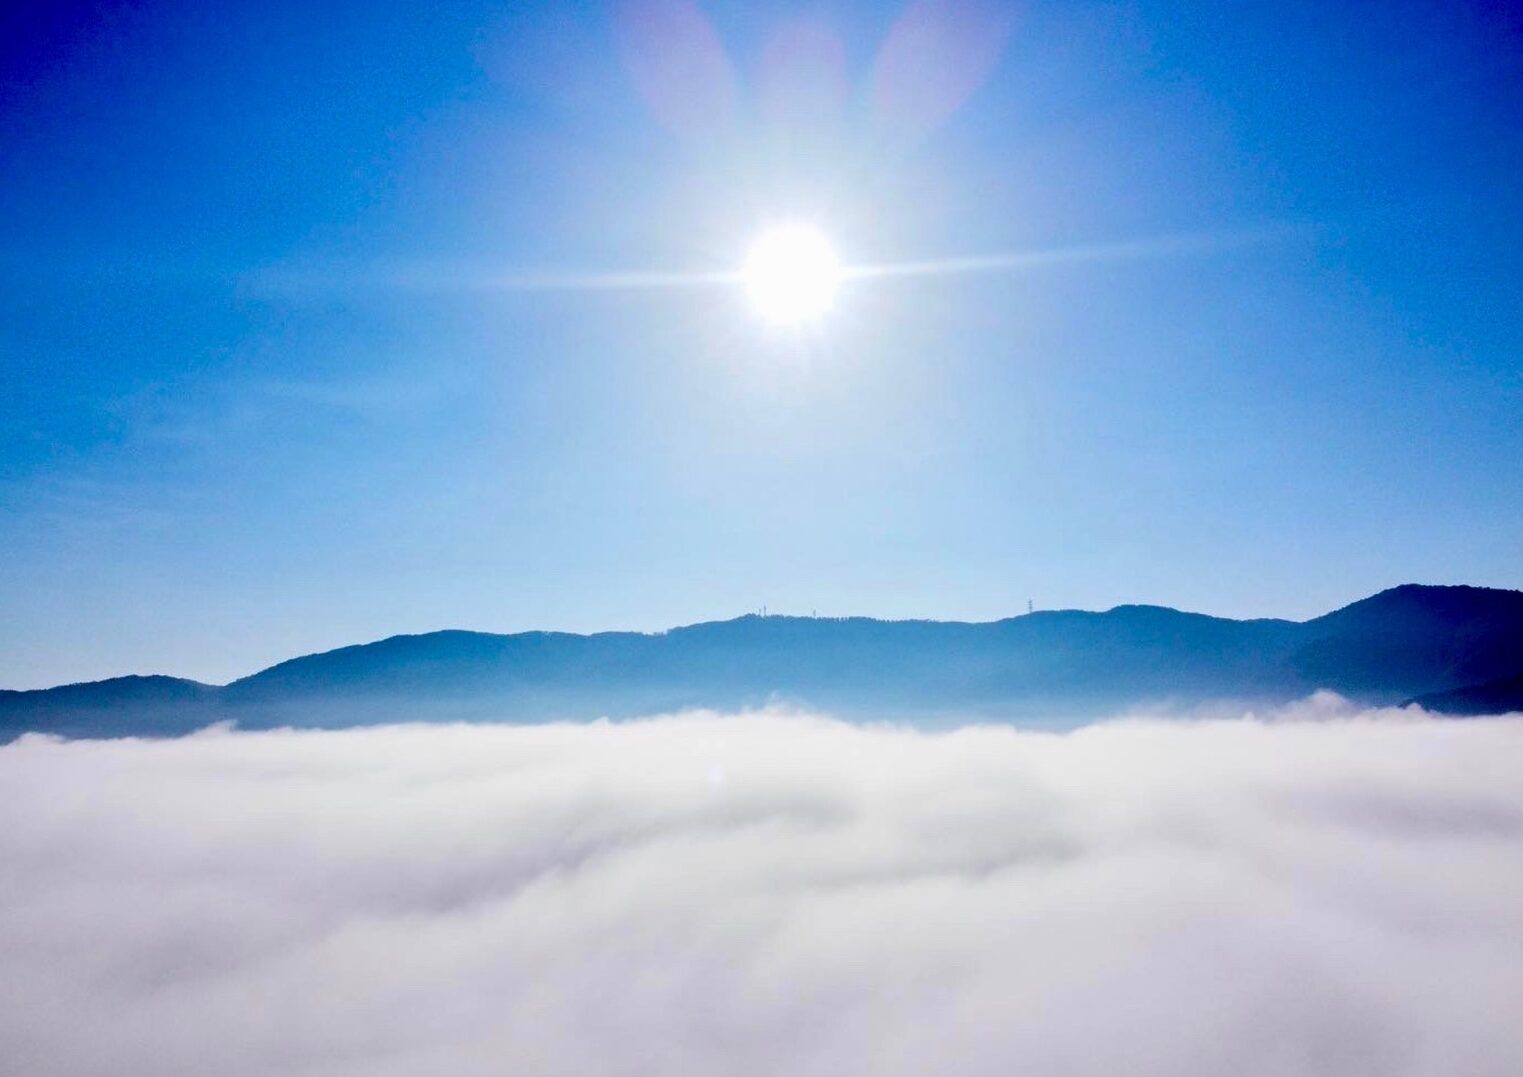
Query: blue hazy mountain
x=146 y=706
x=1504 y=696
x=1051 y=666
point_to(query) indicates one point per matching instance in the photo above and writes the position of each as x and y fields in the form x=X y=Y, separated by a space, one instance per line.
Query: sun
x=791 y=274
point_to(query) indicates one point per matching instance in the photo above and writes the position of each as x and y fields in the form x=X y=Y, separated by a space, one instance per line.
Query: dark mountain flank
x=1504 y=696
x=1051 y=667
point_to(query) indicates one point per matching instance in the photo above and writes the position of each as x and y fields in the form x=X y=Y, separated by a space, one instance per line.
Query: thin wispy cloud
x=769 y=894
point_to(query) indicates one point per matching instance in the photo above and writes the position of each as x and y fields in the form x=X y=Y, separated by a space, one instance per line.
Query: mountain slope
x=1413 y=640
x=1502 y=696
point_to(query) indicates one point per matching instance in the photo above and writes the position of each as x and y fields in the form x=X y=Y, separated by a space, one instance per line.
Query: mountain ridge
x=1402 y=644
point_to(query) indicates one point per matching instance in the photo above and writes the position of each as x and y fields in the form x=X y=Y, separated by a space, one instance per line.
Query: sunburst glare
x=791 y=274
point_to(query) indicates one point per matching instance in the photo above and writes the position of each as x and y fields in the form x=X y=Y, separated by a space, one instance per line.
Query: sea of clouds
x=1311 y=892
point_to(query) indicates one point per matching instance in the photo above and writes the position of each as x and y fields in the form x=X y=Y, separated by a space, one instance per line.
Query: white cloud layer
x=768 y=895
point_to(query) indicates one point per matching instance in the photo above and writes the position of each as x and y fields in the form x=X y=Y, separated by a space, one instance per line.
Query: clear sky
x=271 y=381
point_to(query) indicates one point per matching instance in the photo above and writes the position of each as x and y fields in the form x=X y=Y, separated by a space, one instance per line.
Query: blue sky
x=265 y=393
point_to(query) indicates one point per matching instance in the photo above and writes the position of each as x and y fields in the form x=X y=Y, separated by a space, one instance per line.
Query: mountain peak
x=1448 y=601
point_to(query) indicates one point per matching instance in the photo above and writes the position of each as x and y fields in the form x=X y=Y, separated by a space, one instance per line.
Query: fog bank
x=769 y=894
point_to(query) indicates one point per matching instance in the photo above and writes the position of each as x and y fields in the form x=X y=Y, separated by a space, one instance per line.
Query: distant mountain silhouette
x=1052 y=667
x=143 y=706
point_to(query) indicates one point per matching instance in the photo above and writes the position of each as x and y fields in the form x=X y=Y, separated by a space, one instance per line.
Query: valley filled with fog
x=1314 y=890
